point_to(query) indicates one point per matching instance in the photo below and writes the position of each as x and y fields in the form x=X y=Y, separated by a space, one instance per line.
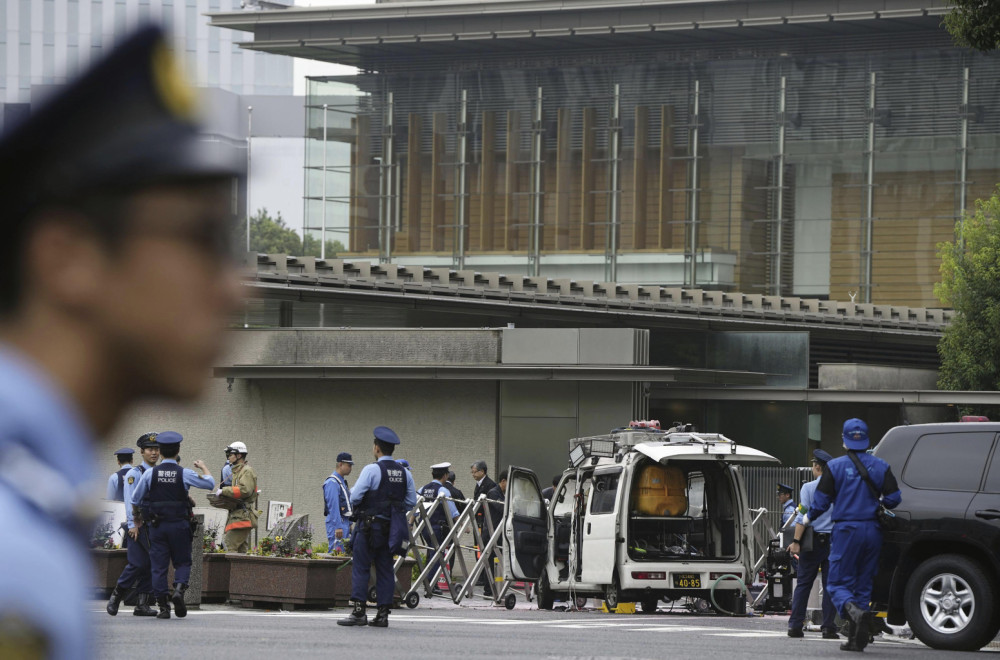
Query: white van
x=641 y=516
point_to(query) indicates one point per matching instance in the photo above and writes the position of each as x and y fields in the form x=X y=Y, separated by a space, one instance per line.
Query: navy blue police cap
x=386 y=434
x=821 y=456
x=147 y=441
x=785 y=488
x=169 y=438
x=128 y=122
x=344 y=457
x=124 y=451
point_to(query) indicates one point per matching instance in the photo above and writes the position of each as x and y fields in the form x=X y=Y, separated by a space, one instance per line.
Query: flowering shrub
x=104 y=537
x=210 y=541
x=283 y=546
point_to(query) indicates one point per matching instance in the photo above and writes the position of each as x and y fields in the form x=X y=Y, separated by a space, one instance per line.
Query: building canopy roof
x=363 y=34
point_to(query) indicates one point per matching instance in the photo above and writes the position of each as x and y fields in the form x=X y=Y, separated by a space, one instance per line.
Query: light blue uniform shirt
x=136 y=477
x=113 y=484
x=825 y=523
x=191 y=479
x=227 y=474
x=371 y=477
x=333 y=489
x=45 y=580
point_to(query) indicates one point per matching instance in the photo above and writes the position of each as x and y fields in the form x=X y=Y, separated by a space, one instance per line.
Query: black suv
x=940 y=564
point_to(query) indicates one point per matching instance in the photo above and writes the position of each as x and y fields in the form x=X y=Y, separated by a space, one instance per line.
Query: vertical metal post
x=461 y=195
x=963 y=149
x=386 y=189
x=536 y=185
x=611 y=237
x=866 y=279
x=780 y=206
x=693 y=220
x=249 y=136
x=322 y=229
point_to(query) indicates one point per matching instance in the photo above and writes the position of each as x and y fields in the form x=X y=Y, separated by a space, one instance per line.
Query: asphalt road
x=438 y=629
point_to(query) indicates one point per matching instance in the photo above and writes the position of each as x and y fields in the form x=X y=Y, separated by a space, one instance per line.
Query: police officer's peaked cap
x=344 y=457
x=386 y=434
x=147 y=441
x=855 y=434
x=785 y=488
x=125 y=451
x=127 y=122
x=169 y=438
x=441 y=466
x=821 y=456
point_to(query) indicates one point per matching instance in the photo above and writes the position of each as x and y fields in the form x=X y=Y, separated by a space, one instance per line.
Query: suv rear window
x=948 y=461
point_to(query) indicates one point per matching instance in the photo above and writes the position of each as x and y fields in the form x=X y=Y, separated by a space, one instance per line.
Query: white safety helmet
x=237 y=447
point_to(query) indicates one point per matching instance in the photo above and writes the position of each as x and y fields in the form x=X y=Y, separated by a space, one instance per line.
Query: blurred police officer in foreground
x=116 y=482
x=136 y=573
x=242 y=519
x=858 y=484
x=813 y=560
x=444 y=514
x=112 y=289
x=162 y=497
x=384 y=488
x=337 y=500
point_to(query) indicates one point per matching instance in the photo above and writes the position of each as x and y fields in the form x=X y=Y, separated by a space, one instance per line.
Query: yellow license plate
x=687 y=581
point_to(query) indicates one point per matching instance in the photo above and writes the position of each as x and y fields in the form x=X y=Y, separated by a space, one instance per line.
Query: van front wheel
x=612 y=594
x=544 y=592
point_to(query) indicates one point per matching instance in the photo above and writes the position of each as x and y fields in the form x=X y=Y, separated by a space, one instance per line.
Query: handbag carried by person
x=886 y=518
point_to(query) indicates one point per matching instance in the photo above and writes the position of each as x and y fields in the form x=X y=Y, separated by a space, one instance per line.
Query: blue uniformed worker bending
x=162 y=497
x=384 y=491
x=136 y=574
x=116 y=482
x=787 y=503
x=444 y=514
x=116 y=287
x=813 y=560
x=857 y=484
x=337 y=500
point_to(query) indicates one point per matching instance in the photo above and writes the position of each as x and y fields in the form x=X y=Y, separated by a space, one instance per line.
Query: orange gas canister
x=660 y=491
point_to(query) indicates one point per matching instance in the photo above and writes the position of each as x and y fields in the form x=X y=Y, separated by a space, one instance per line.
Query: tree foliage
x=970 y=283
x=975 y=24
x=271 y=235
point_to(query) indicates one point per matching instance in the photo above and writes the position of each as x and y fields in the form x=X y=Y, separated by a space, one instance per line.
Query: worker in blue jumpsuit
x=444 y=514
x=384 y=489
x=136 y=573
x=162 y=496
x=857 y=484
x=815 y=560
x=337 y=501
x=115 y=288
x=116 y=482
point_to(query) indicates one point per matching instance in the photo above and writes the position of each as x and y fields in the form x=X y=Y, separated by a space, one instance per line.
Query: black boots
x=357 y=617
x=177 y=598
x=381 y=619
x=142 y=607
x=859 y=623
x=164 y=604
x=117 y=594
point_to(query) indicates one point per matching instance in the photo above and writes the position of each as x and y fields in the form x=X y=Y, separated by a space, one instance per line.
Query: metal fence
x=762 y=484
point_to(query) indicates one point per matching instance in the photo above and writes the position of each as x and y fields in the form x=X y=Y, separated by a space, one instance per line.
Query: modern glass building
x=744 y=146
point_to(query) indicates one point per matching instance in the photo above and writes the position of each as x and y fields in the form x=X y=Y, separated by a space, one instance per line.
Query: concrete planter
x=108 y=565
x=326 y=582
x=215 y=572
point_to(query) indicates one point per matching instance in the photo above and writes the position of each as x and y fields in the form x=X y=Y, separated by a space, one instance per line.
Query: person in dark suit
x=483 y=486
x=455 y=492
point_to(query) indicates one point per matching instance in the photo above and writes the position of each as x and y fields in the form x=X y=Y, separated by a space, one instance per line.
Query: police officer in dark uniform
x=858 y=484
x=446 y=512
x=384 y=489
x=137 y=573
x=116 y=482
x=162 y=496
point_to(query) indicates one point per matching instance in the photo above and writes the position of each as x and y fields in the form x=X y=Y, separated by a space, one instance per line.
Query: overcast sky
x=305 y=68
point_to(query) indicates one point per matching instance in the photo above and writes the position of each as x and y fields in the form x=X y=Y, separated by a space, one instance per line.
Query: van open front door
x=525 y=524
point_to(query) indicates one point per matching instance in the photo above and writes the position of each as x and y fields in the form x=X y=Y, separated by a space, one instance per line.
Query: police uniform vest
x=120 y=488
x=168 y=497
x=429 y=493
x=344 y=499
x=391 y=488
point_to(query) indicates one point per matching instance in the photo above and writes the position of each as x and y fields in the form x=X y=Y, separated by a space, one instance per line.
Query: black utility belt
x=822 y=535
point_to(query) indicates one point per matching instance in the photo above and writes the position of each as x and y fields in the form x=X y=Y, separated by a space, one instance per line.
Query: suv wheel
x=950 y=604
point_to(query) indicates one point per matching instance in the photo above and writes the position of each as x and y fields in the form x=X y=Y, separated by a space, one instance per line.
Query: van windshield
x=685 y=510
